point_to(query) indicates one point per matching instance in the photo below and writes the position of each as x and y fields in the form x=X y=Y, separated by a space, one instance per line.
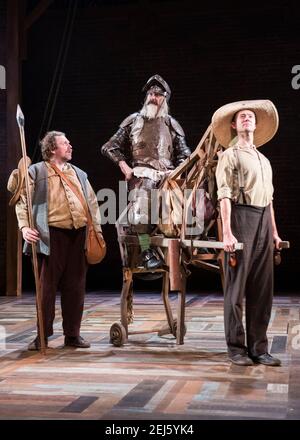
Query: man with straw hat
x=245 y=191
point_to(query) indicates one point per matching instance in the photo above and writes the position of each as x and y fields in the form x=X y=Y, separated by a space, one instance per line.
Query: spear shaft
x=40 y=323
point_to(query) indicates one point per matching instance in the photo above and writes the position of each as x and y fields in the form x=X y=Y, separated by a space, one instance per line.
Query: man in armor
x=147 y=146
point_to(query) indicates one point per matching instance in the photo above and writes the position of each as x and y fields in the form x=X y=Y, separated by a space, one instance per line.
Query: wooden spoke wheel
x=117 y=334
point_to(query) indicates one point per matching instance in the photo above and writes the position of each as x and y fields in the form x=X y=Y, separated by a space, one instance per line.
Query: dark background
x=210 y=54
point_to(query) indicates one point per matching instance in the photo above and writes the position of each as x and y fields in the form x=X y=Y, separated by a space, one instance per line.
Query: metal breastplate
x=152 y=144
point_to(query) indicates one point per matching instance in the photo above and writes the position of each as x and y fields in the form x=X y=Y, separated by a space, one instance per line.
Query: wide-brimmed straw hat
x=266 y=121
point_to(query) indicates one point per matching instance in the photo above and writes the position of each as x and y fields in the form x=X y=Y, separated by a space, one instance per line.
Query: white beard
x=150 y=110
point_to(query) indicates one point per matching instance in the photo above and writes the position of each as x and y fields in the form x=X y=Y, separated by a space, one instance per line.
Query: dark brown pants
x=65 y=270
x=251 y=279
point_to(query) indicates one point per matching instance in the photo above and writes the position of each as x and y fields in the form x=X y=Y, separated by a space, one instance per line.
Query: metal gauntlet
x=181 y=150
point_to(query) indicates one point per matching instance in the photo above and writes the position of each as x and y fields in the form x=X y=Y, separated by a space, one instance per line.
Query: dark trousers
x=251 y=279
x=65 y=270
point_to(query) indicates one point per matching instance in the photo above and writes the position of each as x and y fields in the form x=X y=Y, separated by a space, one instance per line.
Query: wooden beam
x=192 y=158
x=164 y=242
x=37 y=12
x=13 y=142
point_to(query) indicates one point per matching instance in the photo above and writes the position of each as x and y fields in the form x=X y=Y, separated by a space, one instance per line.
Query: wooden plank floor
x=150 y=377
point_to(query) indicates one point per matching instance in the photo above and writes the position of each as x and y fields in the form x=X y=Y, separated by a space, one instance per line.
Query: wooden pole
x=37 y=12
x=21 y=121
x=19 y=264
x=13 y=75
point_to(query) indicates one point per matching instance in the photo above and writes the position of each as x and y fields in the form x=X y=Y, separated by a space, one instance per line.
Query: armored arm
x=117 y=148
x=181 y=150
x=114 y=148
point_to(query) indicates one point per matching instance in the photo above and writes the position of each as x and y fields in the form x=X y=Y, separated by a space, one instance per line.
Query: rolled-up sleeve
x=21 y=206
x=225 y=176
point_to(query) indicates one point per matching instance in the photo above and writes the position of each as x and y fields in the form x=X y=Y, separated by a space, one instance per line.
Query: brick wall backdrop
x=210 y=55
x=3 y=147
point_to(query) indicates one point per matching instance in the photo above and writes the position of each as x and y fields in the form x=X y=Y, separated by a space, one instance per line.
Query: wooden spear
x=21 y=124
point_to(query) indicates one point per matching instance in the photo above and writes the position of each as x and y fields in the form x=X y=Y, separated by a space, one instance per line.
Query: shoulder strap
x=241 y=179
x=75 y=191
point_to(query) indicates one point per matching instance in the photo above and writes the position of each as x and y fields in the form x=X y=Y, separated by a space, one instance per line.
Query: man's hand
x=126 y=170
x=277 y=241
x=30 y=235
x=229 y=241
x=276 y=237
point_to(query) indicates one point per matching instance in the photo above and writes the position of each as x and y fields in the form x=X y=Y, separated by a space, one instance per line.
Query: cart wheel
x=175 y=329
x=117 y=334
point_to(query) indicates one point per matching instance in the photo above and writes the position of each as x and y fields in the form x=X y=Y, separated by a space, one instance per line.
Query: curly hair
x=48 y=144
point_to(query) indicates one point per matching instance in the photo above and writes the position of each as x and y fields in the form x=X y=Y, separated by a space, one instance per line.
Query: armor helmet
x=157 y=84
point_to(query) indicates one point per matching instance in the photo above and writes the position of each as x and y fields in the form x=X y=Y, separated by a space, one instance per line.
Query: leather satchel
x=95 y=243
x=95 y=246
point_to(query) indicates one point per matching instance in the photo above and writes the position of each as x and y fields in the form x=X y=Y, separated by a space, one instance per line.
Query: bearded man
x=61 y=220
x=146 y=147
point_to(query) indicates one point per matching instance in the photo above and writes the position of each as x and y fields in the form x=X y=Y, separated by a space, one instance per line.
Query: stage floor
x=150 y=377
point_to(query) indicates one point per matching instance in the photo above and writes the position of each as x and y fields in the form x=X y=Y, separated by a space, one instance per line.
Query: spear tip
x=20 y=117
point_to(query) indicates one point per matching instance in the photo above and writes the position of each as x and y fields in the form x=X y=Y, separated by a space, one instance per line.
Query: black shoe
x=266 y=359
x=151 y=259
x=35 y=345
x=76 y=341
x=241 y=359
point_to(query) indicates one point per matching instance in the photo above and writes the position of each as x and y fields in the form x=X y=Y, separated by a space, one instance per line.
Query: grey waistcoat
x=39 y=173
